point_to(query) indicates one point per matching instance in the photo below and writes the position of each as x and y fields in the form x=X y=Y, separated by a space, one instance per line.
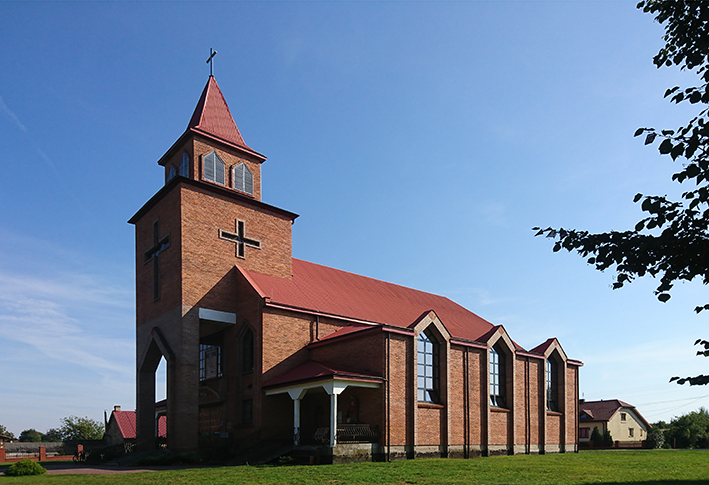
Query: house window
x=622 y=416
x=428 y=387
x=243 y=179
x=631 y=432
x=185 y=165
x=552 y=385
x=248 y=351
x=210 y=362
x=498 y=376
x=213 y=168
x=171 y=173
x=583 y=432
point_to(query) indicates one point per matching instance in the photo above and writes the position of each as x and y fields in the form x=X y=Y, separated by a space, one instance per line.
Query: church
x=265 y=348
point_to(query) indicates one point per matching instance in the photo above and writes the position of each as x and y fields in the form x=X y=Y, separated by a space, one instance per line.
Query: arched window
x=171 y=173
x=552 y=385
x=498 y=378
x=185 y=165
x=243 y=179
x=213 y=168
x=247 y=342
x=428 y=369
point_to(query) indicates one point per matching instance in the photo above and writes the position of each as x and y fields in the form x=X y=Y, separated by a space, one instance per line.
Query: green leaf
x=637 y=197
x=665 y=147
x=639 y=131
x=650 y=138
x=663 y=297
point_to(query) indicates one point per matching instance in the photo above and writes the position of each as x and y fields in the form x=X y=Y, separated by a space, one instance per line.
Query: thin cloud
x=13 y=117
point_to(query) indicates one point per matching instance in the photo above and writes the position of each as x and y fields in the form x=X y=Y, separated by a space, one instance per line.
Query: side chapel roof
x=126 y=424
x=339 y=293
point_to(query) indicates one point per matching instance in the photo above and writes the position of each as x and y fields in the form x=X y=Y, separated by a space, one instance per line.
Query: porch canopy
x=311 y=375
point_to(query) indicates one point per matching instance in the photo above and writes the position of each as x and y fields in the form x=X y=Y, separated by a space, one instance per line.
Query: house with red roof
x=262 y=347
x=627 y=426
x=120 y=427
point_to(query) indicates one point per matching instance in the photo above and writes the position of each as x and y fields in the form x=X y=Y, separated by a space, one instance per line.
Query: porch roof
x=311 y=372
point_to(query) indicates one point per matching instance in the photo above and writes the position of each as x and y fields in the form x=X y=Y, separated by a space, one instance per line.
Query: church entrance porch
x=330 y=407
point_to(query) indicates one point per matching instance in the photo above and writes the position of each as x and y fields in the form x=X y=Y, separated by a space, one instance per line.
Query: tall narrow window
x=213 y=168
x=248 y=351
x=428 y=359
x=210 y=362
x=243 y=179
x=498 y=376
x=552 y=385
x=171 y=173
x=185 y=165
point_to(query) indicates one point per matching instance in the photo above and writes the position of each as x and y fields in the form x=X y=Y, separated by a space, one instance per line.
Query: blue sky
x=419 y=142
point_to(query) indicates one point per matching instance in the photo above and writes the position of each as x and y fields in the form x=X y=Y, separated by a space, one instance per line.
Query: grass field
x=683 y=467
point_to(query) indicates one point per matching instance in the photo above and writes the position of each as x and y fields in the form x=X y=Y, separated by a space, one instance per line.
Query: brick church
x=262 y=347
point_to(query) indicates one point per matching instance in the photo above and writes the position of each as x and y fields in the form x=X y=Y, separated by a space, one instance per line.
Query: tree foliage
x=31 y=436
x=596 y=437
x=6 y=432
x=76 y=428
x=672 y=242
x=607 y=438
x=53 y=435
x=689 y=431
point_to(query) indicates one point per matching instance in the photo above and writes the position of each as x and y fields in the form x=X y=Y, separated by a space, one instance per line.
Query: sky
x=420 y=142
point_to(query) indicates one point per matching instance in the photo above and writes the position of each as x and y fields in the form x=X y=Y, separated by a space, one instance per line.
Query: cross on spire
x=159 y=245
x=210 y=61
x=240 y=239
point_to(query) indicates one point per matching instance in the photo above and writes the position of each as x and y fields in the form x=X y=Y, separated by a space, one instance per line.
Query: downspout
x=578 y=422
x=388 y=381
x=528 y=417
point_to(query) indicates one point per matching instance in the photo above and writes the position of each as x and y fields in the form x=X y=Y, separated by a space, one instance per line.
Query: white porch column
x=296 y=394
x=334 y=389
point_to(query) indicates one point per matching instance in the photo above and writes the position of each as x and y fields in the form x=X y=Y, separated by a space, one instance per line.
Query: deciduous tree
x=76 y=428
x=31 y=436
x=672 y=241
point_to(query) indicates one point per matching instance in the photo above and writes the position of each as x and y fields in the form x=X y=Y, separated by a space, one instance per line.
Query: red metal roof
x=315 y=371
x=126 y=424
x=330 y=291
x=212 y=115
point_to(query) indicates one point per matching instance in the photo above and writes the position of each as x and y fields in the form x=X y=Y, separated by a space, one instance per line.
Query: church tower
x=191 y=237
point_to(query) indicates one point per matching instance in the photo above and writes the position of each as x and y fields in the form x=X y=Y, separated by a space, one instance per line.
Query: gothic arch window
x=247 y=351
x=552 y=379
x=243 y=179
x=171 y=173
x=213 y=168
x=428 y=350
x=185 y=165
x=498 y=378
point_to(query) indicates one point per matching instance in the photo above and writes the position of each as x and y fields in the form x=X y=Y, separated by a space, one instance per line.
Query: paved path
x=72 y=469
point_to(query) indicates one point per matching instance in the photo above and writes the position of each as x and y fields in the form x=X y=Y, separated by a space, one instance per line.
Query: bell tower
x=191 y=238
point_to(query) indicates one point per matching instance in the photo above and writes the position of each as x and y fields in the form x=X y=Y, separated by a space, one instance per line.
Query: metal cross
x=240 y=239
x=159 y=245
x=210 y=61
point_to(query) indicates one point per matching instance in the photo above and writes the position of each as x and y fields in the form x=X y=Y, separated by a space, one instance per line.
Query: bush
x=25 y=467
x=655 y=438
x=607 y=438
x=596 y=437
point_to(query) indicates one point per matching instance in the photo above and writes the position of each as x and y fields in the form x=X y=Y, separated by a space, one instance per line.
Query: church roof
x=339 y=293
x=212 y=116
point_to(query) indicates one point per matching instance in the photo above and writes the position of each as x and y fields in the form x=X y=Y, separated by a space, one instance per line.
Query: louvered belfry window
x=243 y=179
x=213 y=168
x=171 y=173
x=185 y=165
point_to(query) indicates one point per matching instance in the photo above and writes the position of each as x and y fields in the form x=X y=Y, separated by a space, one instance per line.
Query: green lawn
x=637 y=466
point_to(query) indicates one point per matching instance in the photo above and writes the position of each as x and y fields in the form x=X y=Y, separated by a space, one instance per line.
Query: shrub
x=25 y=467
x=607 y=438
x=655 y=438
x=596 y=437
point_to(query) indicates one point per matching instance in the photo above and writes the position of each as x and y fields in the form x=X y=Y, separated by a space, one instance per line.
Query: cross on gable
x=159 y=245
x=240 y=239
